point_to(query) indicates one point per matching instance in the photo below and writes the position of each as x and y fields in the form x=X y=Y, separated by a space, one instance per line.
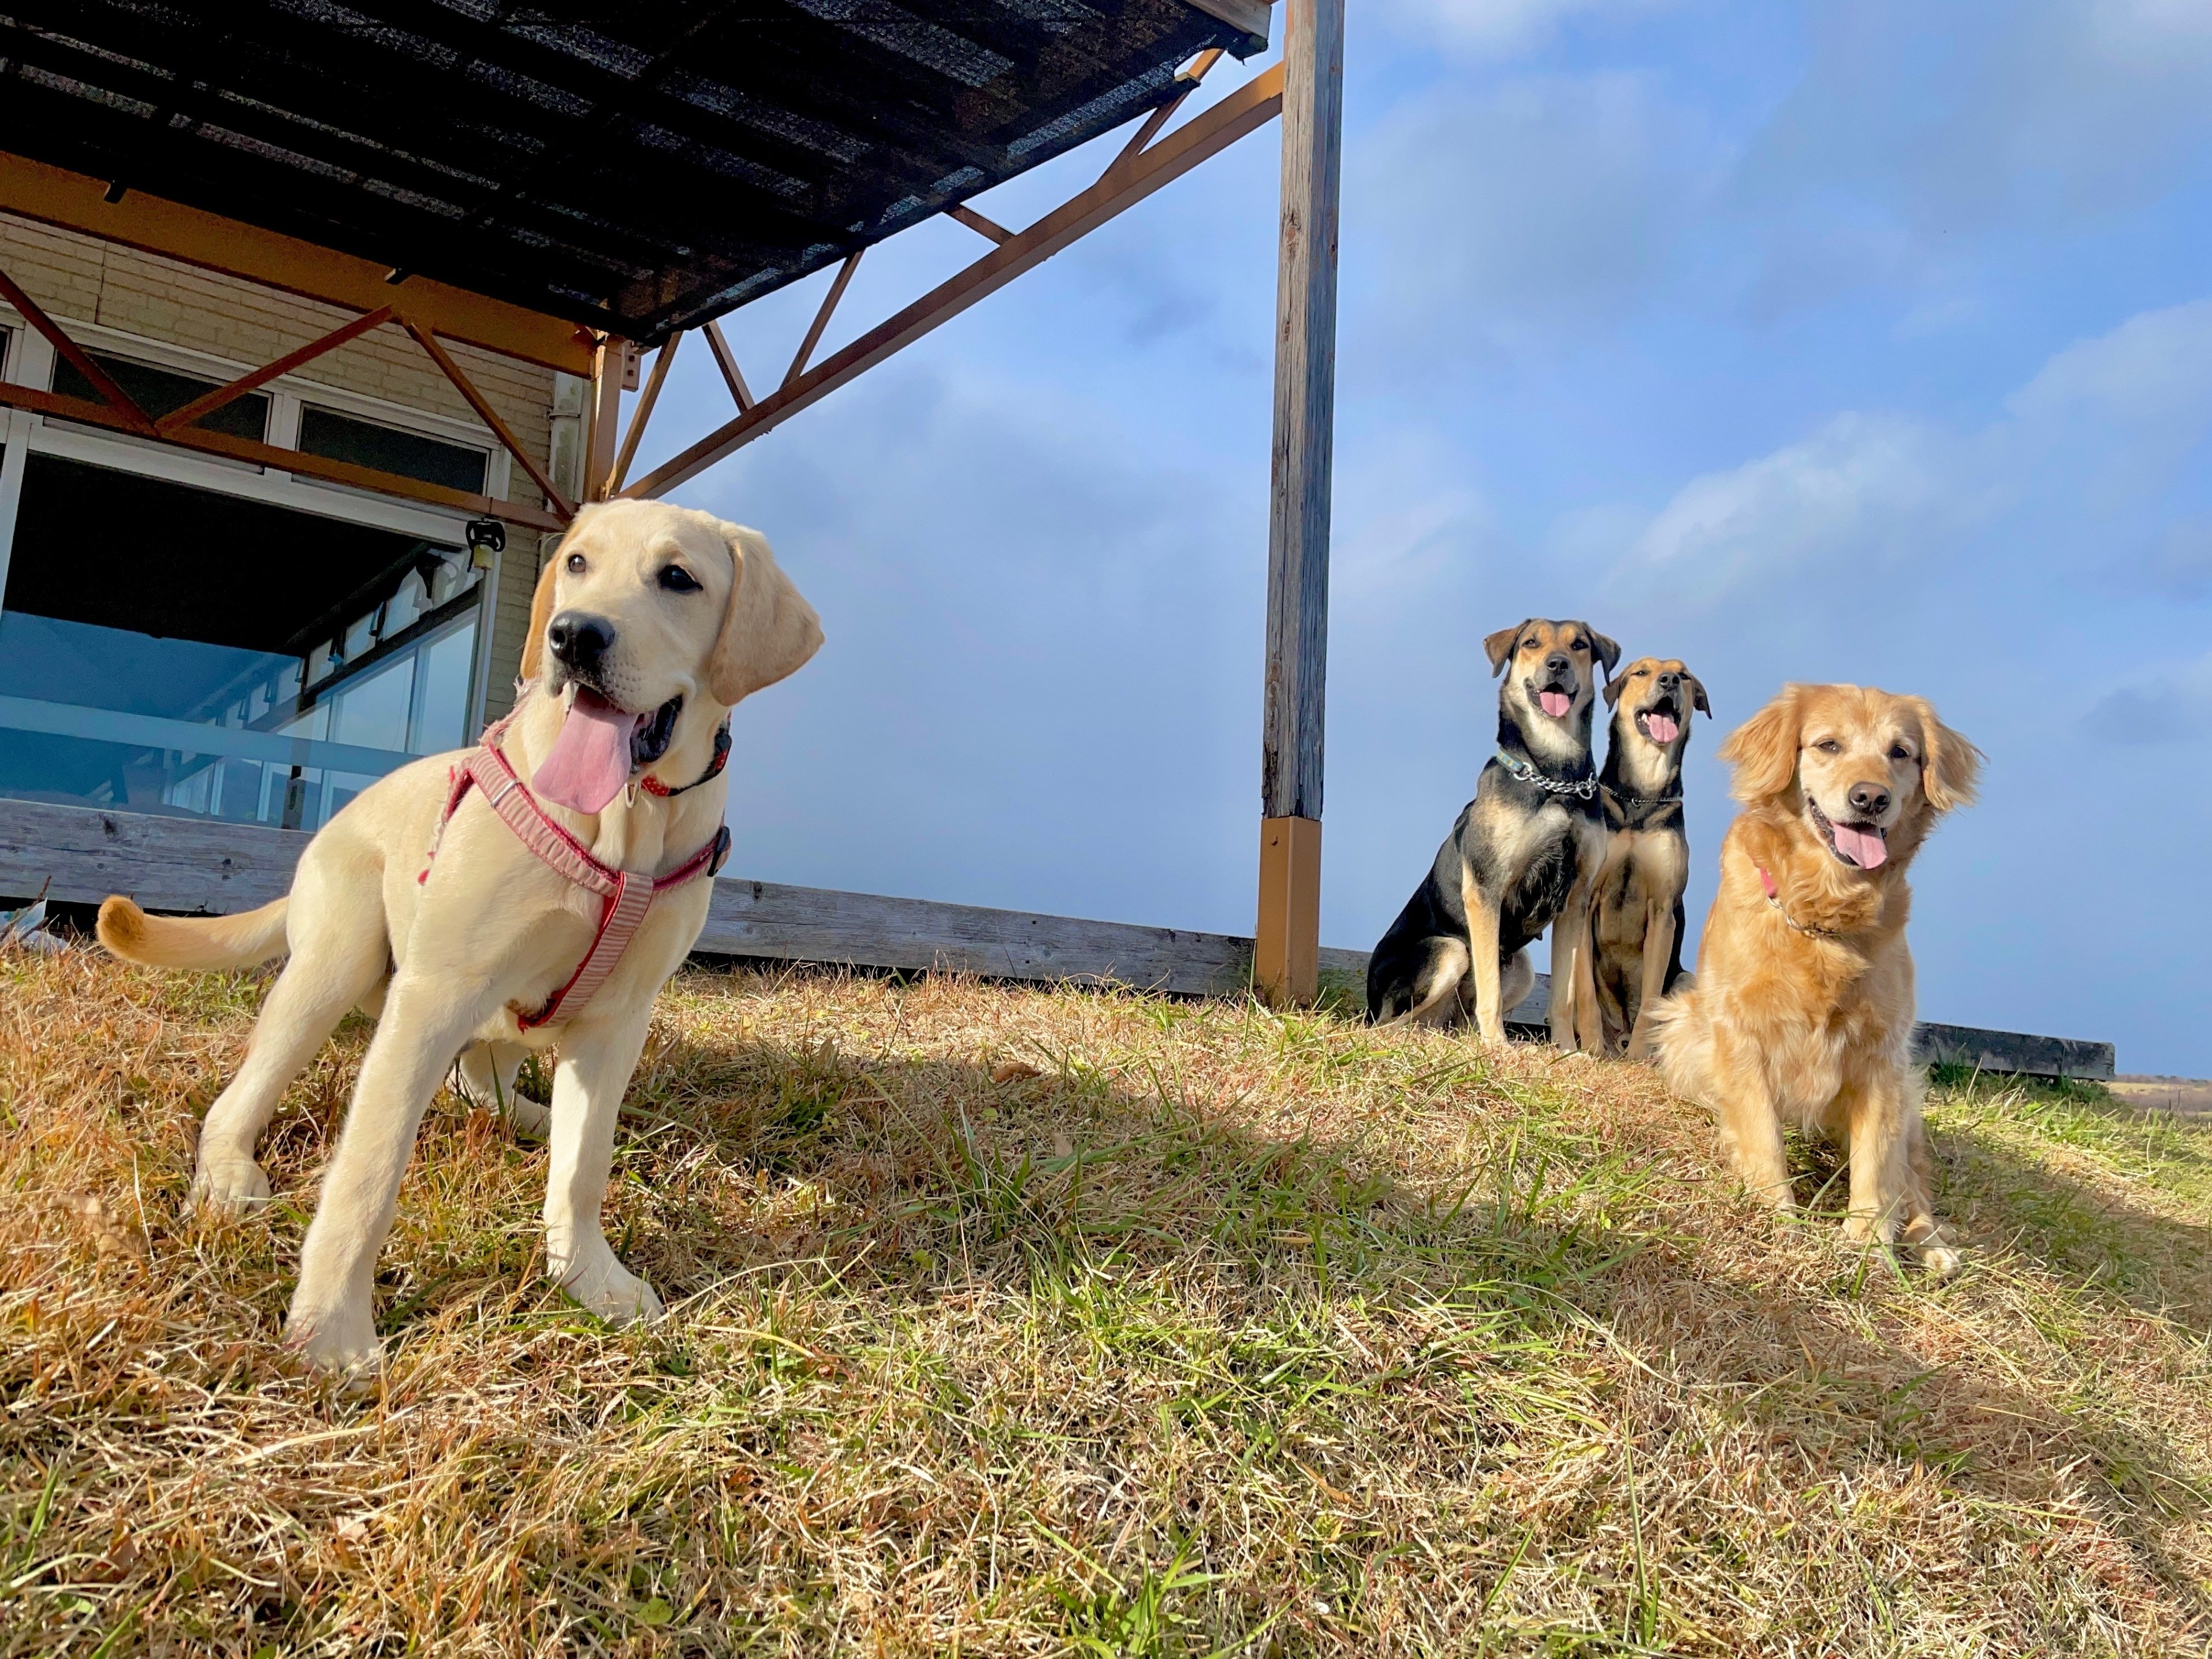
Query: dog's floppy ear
x=1499 y=646
x=1612 y=689
x=1763 y=749
x=541 y=613
x=1697 y=694
x=768 y=631
x=1951 y=771
x=1608 y=652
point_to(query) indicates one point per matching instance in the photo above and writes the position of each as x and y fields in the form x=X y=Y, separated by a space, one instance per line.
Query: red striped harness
x=628 y=893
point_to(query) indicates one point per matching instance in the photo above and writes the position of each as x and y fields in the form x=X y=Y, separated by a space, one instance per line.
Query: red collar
x=653 y=786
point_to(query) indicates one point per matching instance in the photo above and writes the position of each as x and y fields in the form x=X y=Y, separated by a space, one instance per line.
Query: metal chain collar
x=1774 y=898
x=1585 y=790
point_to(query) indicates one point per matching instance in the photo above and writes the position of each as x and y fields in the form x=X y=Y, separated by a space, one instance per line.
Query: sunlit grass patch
x=1017 y=1321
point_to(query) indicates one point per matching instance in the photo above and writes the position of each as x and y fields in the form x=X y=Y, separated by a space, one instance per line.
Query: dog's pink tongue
x=1556 y=703
x=1864 y=848
x=1662 y=727
x=589 y=761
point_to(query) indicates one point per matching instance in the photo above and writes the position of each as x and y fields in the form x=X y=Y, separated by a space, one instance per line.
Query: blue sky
x=1867 y=341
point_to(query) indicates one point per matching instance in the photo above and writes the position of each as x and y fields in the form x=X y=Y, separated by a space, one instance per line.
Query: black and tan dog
x=1636 y=901
x=1520 y=858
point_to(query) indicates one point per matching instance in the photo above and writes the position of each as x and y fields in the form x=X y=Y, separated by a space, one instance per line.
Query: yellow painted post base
x=1286 y=953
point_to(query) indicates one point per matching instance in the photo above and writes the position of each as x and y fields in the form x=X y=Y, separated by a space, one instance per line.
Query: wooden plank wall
x=193 y=865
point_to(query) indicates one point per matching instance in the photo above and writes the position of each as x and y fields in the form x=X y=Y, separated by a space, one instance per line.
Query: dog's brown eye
x=676 y=580
x=1829 y=746
x=575 y=564
x=1898 y=752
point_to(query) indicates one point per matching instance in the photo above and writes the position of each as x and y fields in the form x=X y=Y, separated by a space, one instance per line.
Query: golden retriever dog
x=648 y=624
x=1802 y=1009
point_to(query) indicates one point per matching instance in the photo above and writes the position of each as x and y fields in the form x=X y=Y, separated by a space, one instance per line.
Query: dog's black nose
x=1871 y=799
x=1557 y=663
x=1670 y=682
x=580 y=640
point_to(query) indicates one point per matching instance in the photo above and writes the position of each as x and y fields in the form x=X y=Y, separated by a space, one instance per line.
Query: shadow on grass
x=801 y=1168
x=1558 y=1316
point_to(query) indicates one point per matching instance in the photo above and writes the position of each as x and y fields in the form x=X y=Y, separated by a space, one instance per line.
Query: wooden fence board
x=190 y=865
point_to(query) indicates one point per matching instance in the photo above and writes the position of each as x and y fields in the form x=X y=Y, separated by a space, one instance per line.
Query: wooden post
x=1285 y=963
x=603 y=415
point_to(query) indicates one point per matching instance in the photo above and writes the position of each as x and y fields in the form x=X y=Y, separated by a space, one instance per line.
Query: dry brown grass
x=1223 y=1332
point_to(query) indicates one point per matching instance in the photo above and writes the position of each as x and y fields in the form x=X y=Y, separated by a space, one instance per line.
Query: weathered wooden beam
x=2012 y=1051
x=1298 y=501
x=663 y=360
x=74 y=202
x=192 y=865
x=297 y=461
x=603 y=415
x=1251 y=106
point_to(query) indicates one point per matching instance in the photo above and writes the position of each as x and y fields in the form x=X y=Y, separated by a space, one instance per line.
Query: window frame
x=26 y=358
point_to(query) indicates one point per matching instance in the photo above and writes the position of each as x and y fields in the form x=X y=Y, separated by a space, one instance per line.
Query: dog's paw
x=340 y=1342
x=529 y=1119
x=1860 y=1231
x=1939 y=1260
x=229 y=1185
x=603 y=1287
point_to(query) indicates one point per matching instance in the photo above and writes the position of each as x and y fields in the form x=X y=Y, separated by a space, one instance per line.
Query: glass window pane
x=442 y=711
x=169 y=677
x=371 y=711
x=345 y=438
x=160 y=391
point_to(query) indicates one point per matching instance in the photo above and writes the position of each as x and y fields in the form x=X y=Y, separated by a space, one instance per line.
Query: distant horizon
x=1802 y=342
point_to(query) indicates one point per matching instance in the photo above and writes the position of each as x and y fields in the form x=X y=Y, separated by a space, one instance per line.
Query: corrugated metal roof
x=635 y=167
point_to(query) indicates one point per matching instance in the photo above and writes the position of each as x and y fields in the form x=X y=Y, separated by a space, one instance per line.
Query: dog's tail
x=203 y=942
x=1682 y=1042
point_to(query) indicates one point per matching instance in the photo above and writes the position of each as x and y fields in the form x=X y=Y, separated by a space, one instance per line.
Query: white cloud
x=2091 y=446
x=1923 y=130
x=2154 y=370
x=1863 y=492
x=1516 y=214
x=1506 y=28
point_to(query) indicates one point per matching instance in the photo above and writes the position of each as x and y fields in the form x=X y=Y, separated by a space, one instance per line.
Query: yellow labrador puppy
x=648 y=624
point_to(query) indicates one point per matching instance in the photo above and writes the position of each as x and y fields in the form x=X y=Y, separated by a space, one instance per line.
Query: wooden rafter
x=200 y=408
x=661 y=361
x=55 y=197
x=822 y=317
x=732 y=375
x=88 y=413
x=488 y=416
x=134 y=419
x=1250 y=107
x=961 y=213
x=1152 y=123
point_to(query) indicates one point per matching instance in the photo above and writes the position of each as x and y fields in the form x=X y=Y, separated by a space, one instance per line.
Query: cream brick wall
x=80 y=279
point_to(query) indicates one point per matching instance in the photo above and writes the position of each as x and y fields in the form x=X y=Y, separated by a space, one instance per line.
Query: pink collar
x=628 y=893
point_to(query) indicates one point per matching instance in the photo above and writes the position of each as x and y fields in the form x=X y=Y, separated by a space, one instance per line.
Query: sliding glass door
x=173 y=650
